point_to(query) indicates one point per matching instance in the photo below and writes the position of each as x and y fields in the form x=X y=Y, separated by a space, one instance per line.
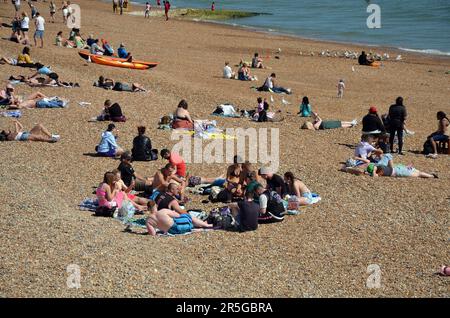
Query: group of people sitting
x=107 y=49
x=372 y=161
x=373 y=155
x=142 y=146
x=251 y=196
x=393 y=125
x=243 y=73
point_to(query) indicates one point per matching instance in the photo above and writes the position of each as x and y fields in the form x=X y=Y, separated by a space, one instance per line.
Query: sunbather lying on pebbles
x=37 y=133
x=171 y=222
x=397 y=170
x=35 y=100
x=318 y=123
x=108 y=83
x=51 y=80
x=39 y=100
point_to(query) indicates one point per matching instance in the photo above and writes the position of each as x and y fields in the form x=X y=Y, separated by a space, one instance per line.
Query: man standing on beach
x=40 y=28
x=166 y=9
x=16 y=4
x=121 y=6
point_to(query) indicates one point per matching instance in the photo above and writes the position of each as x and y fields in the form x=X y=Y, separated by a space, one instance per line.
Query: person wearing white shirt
x=40 y=28
x=16 y=4
x=24 y=28
x=227 y=71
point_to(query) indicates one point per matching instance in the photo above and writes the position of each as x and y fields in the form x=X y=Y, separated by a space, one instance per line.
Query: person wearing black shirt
x=372 y=122
x=373 y=125
x=129 y=176
x=112 y=112
x=274 y=181
x=142 y=146
x=246 y=213
x=363 y=60
x=397 y=118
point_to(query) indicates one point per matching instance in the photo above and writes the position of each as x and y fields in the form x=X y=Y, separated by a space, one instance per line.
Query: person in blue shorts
x=37 y=133
x=442 y=134
x=171 y=222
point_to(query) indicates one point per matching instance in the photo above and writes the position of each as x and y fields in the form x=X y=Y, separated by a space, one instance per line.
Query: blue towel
x=13 y=114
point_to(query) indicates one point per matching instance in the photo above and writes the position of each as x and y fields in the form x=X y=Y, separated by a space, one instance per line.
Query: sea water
x=413 y=25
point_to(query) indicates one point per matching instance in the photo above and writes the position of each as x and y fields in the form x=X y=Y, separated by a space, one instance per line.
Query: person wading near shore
x=397 y=118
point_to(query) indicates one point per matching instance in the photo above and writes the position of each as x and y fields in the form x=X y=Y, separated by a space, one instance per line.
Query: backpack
x=223 y=219
x=427 y=147
x=105 y=211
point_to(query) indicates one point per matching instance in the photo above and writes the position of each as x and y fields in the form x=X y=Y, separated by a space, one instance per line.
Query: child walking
x=341 y=88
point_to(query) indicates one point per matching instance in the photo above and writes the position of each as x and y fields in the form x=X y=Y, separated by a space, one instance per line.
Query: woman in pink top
x=108 y=195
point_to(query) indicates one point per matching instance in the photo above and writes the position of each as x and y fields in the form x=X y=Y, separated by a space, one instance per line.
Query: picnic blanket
x=12 y=113
x=88 y=204
x=226 y=110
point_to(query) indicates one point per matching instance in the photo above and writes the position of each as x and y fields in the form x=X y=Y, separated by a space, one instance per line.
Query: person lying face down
x=318 y=123
x=171 y=222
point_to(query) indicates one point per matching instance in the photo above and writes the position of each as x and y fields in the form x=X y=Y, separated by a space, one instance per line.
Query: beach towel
x=226 y=110
x=12 y=113
x=88 y=204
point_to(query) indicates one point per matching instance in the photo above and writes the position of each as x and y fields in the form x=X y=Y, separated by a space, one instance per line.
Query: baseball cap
x=264 y=170
x=373 y=110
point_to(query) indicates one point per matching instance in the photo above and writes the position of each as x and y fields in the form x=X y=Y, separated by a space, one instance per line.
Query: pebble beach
x=399 y=224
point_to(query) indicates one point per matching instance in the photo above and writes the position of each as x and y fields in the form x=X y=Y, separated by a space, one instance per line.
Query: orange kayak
x=133 y=65
x=85 y=55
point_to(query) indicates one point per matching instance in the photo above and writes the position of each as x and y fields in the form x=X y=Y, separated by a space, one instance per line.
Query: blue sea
x=414 y=25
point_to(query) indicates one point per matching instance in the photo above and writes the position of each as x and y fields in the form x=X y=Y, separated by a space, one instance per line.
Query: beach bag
x=127 y=210
x=293 y=203
x=427 y=147
x=154 y=154
x=214 y=193
x=104 y=211
x=222 y=218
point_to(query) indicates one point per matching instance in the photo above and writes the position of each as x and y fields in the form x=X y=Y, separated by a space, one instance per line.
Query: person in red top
x=175 y=160
x=166 y=9
x=213 y=6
